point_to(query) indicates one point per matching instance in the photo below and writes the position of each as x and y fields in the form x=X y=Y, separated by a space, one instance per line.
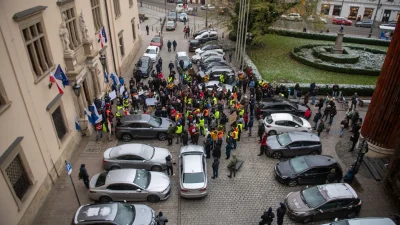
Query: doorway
x=386 y=15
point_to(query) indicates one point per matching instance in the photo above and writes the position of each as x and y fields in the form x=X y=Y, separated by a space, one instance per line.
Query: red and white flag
x=53 y=80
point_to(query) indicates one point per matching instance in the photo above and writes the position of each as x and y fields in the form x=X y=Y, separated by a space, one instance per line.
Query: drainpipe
x=110 y=36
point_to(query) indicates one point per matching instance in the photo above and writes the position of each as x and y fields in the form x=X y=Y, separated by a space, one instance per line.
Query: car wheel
x=126 y=137
x=153 y=198
x=314 y=153
x=351 y=215
x=115 y=168
x=276 y=155
x=307 y=220
x=292 y=183
x=105 y=199
x=156 y=168
x=272 y=132
x=162 y=136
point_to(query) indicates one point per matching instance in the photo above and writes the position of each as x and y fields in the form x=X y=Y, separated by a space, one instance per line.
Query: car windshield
x=299 y=164
x=183 y=14
x=312 y=197
x=297 y=119
x=284 y=139
x=185 y=58
x=150 y=51
x=155 y=121
x=191 y=178
x=268 y=119
x=156 y=39
x=147 y=151
x=125 y=214
x=145 y=64
x=142 y=178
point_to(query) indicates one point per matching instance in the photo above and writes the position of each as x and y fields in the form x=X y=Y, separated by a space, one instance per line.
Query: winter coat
x=268 y=217
x=217 y=152
x=215 y=164
x=321 y=127
x=317 y=117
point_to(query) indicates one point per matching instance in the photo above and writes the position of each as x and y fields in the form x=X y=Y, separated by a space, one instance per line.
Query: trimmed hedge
x=328 y=37
x=322 y=53
x=318 y=63
x=323 y=89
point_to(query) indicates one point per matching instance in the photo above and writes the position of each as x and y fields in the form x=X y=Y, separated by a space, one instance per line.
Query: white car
x=292 y=17
x=153 y=52
x=192 y=172
x=179 y=8
x=364 y=221
x=182 y=17
x=207 y=7
x=317 y=19
x=278 y=123
x=198 y=57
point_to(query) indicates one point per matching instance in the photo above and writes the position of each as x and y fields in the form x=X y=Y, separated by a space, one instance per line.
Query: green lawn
x=274 y=63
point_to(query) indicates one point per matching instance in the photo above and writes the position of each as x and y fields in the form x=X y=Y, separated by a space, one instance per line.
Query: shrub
x=323 y=89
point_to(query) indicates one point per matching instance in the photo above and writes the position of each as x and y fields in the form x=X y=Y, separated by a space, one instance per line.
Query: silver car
x=192 y=172
x=114 y=213
x=129 y=185
x=138 y=156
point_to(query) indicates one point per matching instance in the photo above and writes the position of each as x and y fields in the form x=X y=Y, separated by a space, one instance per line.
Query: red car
x=157 y=41
x=342 y=20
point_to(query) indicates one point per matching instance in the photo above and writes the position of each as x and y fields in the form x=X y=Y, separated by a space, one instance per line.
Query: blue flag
x=60 y=75
x=77 y=126
x=114 y=79
x=105 y=76
x=89 y=115
x=103 y=32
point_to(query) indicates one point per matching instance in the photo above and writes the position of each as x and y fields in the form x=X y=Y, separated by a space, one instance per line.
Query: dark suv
x=310 y=169
x=279 y=105
x=144 y=65
x=193 y=45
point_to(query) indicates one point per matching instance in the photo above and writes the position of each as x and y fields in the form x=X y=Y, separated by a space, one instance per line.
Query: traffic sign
x=69 y=168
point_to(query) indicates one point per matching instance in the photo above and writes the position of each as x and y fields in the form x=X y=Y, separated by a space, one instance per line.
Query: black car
x=144 y=65
x=310 y=169
x=193 y=45
x=279 y=105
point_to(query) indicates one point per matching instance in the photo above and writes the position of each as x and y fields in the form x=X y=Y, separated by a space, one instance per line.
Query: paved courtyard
x=237 y=201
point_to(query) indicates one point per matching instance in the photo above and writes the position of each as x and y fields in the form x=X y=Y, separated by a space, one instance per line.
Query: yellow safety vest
x=221 y=78
x=178 y=129
x=126 y=103
x=231 y=102
x=185 y=99
x=189 y=101
x=117 y=114
x=240 y=126
x=119 y=107
x=169 y=79
x=216 y=115
x=236 y=136
x=215 y=100
x=201 y=122
x=241 y=112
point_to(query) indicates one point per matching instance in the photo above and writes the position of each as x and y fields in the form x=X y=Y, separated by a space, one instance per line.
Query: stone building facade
x=38 y=123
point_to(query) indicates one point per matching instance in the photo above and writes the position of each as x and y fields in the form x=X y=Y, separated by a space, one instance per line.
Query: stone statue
x=84 y=28
x=64 y=34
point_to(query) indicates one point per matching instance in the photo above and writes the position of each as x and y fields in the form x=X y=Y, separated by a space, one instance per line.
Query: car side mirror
x=336 y=219
x=319 y=210
x=138 y=190
x=297 y=126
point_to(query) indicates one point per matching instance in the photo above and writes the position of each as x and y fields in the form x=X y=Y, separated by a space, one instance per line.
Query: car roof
x=127 y=149
x=337 y=191
x=370 y=221
x=181 y=54
x=97 y=212
x=192 y=163
x=281 y=116
x=136 y=118
x=319 y=160
x=273 y=100
x=303 y=136
x=190 y=149
x=121 y=176
x=152 y=47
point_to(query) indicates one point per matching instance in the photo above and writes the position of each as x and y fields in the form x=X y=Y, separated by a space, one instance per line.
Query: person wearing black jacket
x=267 y=217
x=83 y=175
x=174 y=44
x=280 y=213
x=171 y=67
x=217 y=152
x=169 y=45
x=335 y=90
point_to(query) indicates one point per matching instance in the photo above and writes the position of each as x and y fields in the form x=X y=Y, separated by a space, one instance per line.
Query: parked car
x=172 y=16
x=216 y=65
x=310 y=169
x=142 y=126
x=293 y=144
x=153 y=52
x=210 y=85
x=365 y=23
x=202 y=31
x=292 y=17
x=114 y=213
x=186 y=61
x=180 y=2
x=192 y=172
x=182 y=17
x=171 y=1
x=157 y=41
x=214 y=73
x=179 y=8
x=208 y=47
x=323 y=202
x=198 y=57
x=207 y=36
x=129 y=185
x=221 y=10
x=364 y=221
x=390 y=24
x=171 y=25
x=211 y=59
x=137 y=156
x=280 y=105
x=207 y=7
x=194 y=45
x=342 y=20
x=278 y=123
x=317 y=19
x=144 y=65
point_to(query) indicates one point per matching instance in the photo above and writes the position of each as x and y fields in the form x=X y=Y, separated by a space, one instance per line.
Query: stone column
x=81 y=105
x=338 y=49
x=83 y=97
x=95 y=82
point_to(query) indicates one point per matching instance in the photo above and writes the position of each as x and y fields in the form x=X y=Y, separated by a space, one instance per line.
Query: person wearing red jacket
x=263 y=147
x=246 y=119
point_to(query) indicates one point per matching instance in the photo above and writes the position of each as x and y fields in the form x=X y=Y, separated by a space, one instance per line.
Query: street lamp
x=77 y=89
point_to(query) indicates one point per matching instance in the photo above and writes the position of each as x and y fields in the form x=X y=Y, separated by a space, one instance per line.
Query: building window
x=133 y=29
x=98 y=22
x=16 y=171
x=325 y=9
x=117 y=8
x=130 y=3
x=70 y=20
x=336 y=10
x=368 y=13
x=121 y=43
x=59 y=124
x=37 y=47
x=4 y=102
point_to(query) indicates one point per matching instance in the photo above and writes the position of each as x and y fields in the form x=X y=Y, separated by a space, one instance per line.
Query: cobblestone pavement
x=237 y=201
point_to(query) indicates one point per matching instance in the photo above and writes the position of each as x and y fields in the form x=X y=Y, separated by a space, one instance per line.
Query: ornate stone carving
x=64 y=34
x=84 y=28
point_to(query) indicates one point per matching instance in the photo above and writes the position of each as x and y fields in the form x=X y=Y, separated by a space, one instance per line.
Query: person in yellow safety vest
x=126 y=103
x=241 y=112
x=231 y=102
x=216 y=115
x=215 y=101
x=206 y=78
x=178 y=132
x=189 y=101
x=187 y=113
x=260 y=83
x=170 y=79
x=188 y=79
x=185 y=99
x=221 y=78
x=201 y=121
x=239 y=126
x=235 y=135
